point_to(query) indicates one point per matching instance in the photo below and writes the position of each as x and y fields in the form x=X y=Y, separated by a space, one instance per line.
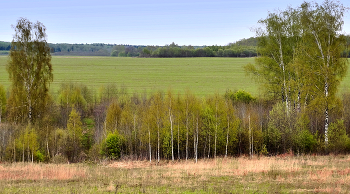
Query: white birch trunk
x=250 y=139
x=209 y=146
x=172 y=138
x=149 y=145
x=186 y=137
x=216 y=128
x=326 y=116
x=284 y=75
x=228 y=128
x=158 y=146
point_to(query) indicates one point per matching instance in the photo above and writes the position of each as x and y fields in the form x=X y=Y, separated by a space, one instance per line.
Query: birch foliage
x=30 y=71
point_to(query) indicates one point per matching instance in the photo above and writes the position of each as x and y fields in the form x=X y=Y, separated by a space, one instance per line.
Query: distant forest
x=242 y=48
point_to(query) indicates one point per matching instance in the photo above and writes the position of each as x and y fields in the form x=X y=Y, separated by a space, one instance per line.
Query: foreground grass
x=305 y=174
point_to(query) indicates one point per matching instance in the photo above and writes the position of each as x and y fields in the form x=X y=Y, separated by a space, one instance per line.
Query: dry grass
x=285 y=174
x=29 y=171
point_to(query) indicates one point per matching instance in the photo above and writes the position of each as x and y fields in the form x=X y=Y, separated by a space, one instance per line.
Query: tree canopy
x=30 y=71
x=301 y=55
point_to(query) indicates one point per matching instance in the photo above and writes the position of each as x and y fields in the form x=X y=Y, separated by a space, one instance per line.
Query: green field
x=203 y=76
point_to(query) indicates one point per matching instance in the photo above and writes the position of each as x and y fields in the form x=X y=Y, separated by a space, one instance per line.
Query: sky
x=144 y=22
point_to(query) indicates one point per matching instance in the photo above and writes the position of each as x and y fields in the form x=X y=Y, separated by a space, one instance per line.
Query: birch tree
x=319 y=59
x=196 y=112
x=157 y=111
x=188 y=102
x=29 y=69
x=74 y=129
x=170 y=106
x=113 y=117
x=277 y=42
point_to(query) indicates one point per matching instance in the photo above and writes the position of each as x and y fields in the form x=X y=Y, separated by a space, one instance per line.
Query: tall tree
x=113 y=117
x=170 y=106
x=74 y=127
x=196 y=114
x=29 y=69
x=188 y=107
x=277 y=41
x=157 y=112
x=319 y=59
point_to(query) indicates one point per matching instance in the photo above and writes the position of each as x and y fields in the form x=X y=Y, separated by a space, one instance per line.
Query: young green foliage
x=30 y=71
x=111 y=146
x=318 y=60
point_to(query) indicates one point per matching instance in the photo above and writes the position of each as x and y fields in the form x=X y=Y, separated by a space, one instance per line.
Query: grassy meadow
x=200 y=75
x=203 y=76
x=280 y=174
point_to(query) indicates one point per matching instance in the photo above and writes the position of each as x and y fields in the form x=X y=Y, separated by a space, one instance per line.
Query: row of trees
x=5 y=46
x=174 y=50
x=81 y=124
x=242 y=48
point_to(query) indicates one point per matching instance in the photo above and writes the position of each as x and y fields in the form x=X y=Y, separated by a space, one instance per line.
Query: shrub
x=305 y=142
x=239 y=96
x=111 y=146
x=338 y=141
x=39 y=156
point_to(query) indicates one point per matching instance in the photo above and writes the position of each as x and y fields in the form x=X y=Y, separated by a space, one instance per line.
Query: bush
x=305 y=142
x=263 y=150
x=111 y=146
x=114 y=53
x=39 y=156
x=239 y=96
x=122 y=54
x=338 y=141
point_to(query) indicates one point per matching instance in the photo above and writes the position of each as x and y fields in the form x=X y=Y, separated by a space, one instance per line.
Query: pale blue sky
x=146 y=22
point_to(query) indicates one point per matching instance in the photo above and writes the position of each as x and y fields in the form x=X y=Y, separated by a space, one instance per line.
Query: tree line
x=79 y=124
x=174 y=50
x=241 y=48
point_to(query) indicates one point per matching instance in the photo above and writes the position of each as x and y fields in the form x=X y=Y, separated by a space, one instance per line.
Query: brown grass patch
x=303 y=174
x=130 y=164
x=29 y=171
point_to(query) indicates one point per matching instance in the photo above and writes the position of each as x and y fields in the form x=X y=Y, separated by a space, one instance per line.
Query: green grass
x=202 y=76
